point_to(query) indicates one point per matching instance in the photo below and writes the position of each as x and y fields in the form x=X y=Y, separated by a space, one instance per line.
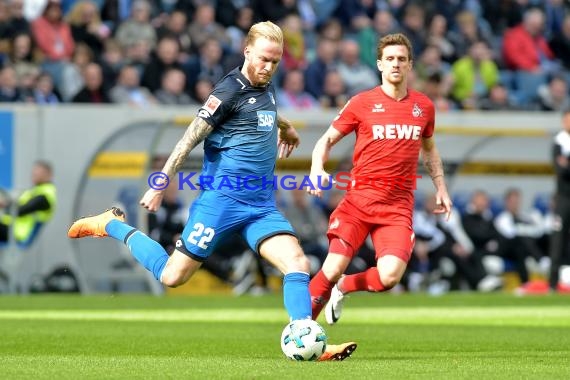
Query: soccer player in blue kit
x=243 y=135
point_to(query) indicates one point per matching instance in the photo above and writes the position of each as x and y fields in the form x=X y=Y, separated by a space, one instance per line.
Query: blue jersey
x=240 y=153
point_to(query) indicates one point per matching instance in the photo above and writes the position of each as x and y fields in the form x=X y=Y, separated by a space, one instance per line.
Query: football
x=303 y=340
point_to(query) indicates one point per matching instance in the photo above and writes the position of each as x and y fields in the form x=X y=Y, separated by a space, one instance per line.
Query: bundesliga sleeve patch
x=212 y=104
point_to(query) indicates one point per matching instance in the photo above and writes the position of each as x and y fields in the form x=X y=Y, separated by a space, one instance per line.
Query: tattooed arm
x=196 y=132
x=194 y=135
x=434 y=167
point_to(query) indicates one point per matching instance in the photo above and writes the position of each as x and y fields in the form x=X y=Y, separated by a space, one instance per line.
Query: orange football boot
x=95 y=225
x=338 y=352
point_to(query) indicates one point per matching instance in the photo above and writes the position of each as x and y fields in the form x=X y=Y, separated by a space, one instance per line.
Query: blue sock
x=147 y=251
x=296 y=295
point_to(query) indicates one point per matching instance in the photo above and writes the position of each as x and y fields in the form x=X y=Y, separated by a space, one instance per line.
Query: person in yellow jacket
x=34 y=208
x=473 y=76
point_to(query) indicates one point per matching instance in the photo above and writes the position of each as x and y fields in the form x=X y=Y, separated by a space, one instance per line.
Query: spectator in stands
x=34 y=207
x=292 y=95
x=202 y=90
x=44 y=92
x=554 y=96
x=244 y=19
x=560 y=43
x=177 y=25
x=473 y=76
x=326 y=60
x=139 y=55
x=227 y=11
x=52 y=36
x=497 y=99
x=294 y=51
x=72 y=74
x=478 y=223
x=18 y=23
x=94 y=91
x=554 y=12
x=86 y=25
x=204 y=27
x=112 y=60
x=166 y=57
x=524 y=46
x=171 y=90
x=367 y=37
x=129 y=91
x=521 y=232
x=21 y=56
x=356 y=76
x=323 y=11
x=502 y=14
x=438 y=36
x=275 y=10
x=429 y=64
x=558 y=252
x=442 y=241
x=334 y=93
x=435 y=89
x=468 y=30
x=137 y=27
x=27 y=86
x=413 y=25
x=332 y=29
x=355 y=14
x=9 y=90
x=207 y=64
x=447 y=240
x=4 y=26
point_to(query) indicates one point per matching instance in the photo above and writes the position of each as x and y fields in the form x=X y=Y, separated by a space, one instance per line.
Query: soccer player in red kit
x=393 y=124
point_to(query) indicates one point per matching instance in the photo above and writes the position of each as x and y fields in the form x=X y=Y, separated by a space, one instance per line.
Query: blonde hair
x=394 y=39
x=265 y=29
x=75 y=15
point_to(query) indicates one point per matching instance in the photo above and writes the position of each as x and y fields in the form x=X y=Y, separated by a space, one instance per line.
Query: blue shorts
x=214 y=217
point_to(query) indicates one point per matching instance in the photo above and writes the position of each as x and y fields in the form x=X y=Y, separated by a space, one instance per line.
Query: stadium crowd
x=469 y=54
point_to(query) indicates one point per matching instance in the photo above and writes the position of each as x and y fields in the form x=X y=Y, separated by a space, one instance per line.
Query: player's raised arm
x=194 y=135
x=434 y=167
x=320 y=156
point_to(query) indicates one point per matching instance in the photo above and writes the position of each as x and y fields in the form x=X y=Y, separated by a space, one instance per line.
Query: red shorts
x=356 y=217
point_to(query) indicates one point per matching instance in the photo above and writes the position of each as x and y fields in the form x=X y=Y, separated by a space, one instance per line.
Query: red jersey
x=388 y=140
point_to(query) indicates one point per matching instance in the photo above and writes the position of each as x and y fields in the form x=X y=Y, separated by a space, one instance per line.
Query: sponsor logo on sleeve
x=212 y=104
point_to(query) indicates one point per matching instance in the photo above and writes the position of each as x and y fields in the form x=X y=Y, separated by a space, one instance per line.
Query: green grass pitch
x=457 y=336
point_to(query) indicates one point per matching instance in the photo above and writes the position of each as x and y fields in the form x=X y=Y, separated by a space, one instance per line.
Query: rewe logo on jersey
x=265 y=120
x=396 y=131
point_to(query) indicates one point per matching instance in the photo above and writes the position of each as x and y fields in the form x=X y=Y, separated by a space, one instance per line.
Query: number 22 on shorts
x=201 y=236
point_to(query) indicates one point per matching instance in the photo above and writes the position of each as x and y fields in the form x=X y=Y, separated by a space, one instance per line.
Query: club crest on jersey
x=251 y=100
x=212 y=104
x=417 y=111
x=266 y=120
x=378 y=107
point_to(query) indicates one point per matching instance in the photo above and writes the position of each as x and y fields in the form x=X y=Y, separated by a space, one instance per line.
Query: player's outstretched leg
x=338 y=352
x=112 y=223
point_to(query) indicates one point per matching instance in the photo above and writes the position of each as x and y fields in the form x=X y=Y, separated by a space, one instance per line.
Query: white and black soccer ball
x=303 y=340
